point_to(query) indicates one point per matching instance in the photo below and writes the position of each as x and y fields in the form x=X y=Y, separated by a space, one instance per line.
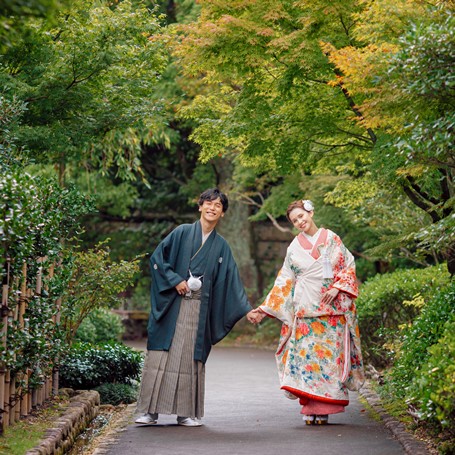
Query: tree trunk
x=450 y=255
x=237 y=230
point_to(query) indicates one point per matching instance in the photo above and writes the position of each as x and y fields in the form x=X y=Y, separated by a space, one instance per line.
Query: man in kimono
x=196 y=298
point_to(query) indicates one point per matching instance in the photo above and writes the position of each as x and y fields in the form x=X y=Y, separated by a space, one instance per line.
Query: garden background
x=114 y=116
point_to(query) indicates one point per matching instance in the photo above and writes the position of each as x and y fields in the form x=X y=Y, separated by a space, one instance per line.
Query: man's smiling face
x=211 y=211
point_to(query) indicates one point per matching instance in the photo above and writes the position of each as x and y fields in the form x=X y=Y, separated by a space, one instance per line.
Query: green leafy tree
x=403 y=79
x=96 y=282
x=87 y=82
x=270 y=95
x=284 y=96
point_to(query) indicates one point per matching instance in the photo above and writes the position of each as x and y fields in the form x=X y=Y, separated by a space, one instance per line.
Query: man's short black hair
x=211 y=194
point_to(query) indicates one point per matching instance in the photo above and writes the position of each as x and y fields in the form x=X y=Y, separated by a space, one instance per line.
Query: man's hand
x=182 y=288
x=328 y=296
x=255 y=316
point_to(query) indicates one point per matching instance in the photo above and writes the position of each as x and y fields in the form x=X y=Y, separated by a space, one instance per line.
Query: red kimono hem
x=304 y=395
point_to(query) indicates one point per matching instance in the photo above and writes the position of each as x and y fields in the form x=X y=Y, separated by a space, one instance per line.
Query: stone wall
x=82 y=409
x=270 y=250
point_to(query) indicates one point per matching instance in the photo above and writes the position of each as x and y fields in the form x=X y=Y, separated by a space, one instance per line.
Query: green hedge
x=415 y=340
x=117 y=393
x=433 y=387
x=87 y=366
x=390 y=301
x=423 y=374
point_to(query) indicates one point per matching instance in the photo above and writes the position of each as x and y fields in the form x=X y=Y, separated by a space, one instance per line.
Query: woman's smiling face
x=303 y=221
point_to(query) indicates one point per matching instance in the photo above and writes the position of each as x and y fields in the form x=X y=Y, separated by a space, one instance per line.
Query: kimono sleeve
x=162 y=263
x=228 y=300
x=279 y=301
x=345 y=278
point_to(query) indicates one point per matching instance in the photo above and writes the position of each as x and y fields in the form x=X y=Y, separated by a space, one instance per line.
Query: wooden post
x=7 y=374
x=34 y=398
x=30 y=393
x=24 y=399
x=47 y=389
x=7 y=399
x=18 y=402
x=4 y=310
x=55 y=371
x=41 y=392
x=41 y=395
x=55 y=374
x=12 y=404
x=55 y=381
x=23 y=296
x=39 y=277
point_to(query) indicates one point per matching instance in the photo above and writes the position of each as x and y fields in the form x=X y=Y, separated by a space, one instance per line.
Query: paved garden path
x=246 y=413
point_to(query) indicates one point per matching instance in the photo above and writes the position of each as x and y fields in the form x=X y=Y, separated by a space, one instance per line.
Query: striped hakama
x=172 y=381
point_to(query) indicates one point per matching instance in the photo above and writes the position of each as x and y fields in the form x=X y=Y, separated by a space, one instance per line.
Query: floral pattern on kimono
x=319 y=354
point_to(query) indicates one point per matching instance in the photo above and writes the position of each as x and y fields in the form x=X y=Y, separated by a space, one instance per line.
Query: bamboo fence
x=16 y=398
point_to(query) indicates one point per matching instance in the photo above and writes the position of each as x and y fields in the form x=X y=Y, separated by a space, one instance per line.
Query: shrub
x=96 y=282
x=417 y=339
x=116 y=394
x=381 y=310
x=433 y=386
x=88 y=366
x=424 y=370
x=100 y=326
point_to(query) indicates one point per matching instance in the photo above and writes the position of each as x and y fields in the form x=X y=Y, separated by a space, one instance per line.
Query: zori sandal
x=321 y=420
x=309 y=420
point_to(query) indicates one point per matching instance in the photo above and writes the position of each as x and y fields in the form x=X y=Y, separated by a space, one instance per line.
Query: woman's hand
x=255 y=316
x=182 y=288
x=328 y=296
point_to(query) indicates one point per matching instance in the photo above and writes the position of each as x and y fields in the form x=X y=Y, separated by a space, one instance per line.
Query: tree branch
x=358 y=136
x=347 y=144
x=276 y=224
x=250 y=201
x=351 y=102
x=438 y=162
x=346 y=28
x=416 y=199
x=77 y=81
x=420 y=192
x=356 y=111
x=445 y=190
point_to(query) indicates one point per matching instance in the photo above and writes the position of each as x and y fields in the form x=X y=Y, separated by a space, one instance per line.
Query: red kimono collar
x=307 y=245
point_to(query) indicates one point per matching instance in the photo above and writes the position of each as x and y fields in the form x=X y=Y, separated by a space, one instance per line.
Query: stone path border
x=82 y=409
x=411 y=445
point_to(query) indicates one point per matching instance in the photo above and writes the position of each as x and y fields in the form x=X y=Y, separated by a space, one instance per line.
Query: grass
x=26 y=434
x=394 y=405
x=369 y=409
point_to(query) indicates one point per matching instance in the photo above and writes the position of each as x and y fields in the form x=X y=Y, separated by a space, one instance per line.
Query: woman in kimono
x=319 y=355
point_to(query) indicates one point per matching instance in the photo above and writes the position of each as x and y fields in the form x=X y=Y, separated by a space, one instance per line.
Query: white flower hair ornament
x=307 y=205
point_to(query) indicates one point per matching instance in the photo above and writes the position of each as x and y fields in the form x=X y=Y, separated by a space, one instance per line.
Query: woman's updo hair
x=303 y=204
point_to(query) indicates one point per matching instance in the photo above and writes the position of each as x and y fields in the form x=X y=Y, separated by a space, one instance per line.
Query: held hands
x=328 y=296
x=255 y=316
x=182 y=288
